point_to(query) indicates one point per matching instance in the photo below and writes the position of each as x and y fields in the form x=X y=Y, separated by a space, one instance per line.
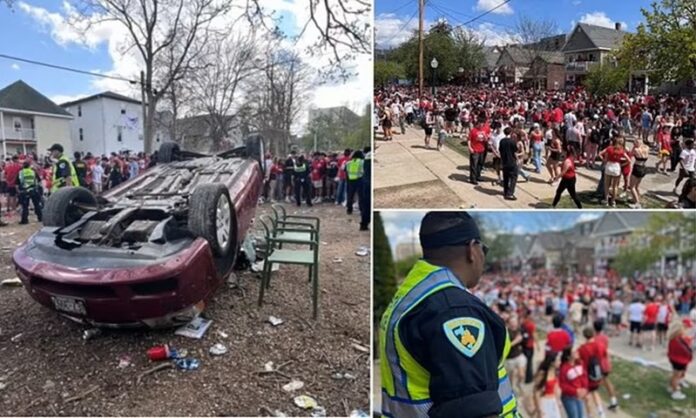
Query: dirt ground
x=44 y=361
x=429 y=194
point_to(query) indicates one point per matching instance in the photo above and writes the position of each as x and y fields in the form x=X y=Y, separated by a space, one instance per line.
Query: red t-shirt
x=557 y=115
x=477 y=139
x=571 y=378
x=342 y=160
x=570 y=174
x=529 y=328
x=679 y=350
x=317 y=170
x=614 y=155
x=650 y=313
x=602 y=342
x=586 y=352
x=11 y=172
x=557 y=340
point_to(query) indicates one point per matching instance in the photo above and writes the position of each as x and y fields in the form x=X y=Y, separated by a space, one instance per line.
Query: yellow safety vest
x=405 y=383
x=28 y=179
x=354 y=169
x=59 y=182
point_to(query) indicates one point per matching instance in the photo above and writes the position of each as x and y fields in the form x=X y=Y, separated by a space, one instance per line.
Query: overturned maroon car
x=152 y=251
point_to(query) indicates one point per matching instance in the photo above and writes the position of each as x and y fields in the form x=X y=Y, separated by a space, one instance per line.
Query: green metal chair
x=276 y=255
x=299 y=221
x=291 y=232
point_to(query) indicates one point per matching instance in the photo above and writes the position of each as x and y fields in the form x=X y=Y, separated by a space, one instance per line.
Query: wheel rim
x=223 y=219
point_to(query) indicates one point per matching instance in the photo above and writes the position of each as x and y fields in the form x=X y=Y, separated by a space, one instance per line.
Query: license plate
x=71 y=305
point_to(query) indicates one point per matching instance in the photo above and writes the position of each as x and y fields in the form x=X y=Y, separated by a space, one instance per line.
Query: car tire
x=60 y=209
x=212 y=217
x=255 y=148
x=168 y=152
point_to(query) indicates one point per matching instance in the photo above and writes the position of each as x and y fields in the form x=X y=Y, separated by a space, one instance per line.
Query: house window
x=17 y=124
x=119 y=135
x=79 y=111
x=592 y=57
x=123 y=111
x=82 y=138
x=158 y=138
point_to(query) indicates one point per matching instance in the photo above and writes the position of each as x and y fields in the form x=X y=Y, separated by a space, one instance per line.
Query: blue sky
x=393 y=17
x=402 y=226
x=36 y=29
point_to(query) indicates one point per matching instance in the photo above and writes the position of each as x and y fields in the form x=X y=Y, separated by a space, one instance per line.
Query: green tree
x=388 y=72
x=499 y=245
x=384 y=272
x=634 y=257
x=665 y=44
x=606 y=78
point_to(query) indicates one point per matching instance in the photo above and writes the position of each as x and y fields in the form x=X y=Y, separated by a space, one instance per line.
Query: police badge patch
x=466 y=334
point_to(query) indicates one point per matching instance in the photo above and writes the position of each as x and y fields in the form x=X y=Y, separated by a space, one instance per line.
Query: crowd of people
x=525 y=130
x=583 y=316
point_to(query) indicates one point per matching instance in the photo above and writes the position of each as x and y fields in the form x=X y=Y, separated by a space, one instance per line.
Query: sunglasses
x=484 y=247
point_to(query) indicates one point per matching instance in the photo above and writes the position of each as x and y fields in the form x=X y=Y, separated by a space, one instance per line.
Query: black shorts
x=662 y=327
x=648 y=327
x=678 y=367
x=3 y=187
x=549 y=310
x=428 y=130
x=615 y=319
x=638 y=171
x=635 y=327
x=12 y=191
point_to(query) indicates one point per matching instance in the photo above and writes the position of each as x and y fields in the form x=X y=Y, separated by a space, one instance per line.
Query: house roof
x=491 y=55
x=22 y=97
x=551 y=240
x=551 y=57
x=519 y=55
x=106 y=94
x=586 y=36
x=620 y=222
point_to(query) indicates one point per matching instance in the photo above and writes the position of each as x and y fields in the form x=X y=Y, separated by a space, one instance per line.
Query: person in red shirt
x=680 y=354
x=664 y=142
x=650 y=323
x=558 y=339
x=318 y=167
x=11 y=173
x=590 y=354
x=528 y=330
x=478 y=138
x=602 y=340
x=572 y=378
x=342 y=185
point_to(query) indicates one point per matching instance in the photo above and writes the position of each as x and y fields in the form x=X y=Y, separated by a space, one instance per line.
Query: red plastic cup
x=158 y=352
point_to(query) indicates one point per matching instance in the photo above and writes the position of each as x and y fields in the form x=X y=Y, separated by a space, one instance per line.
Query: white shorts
x=519 y=362
x=317 y=184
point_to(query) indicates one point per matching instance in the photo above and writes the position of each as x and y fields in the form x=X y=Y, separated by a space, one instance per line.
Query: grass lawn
x=589 y=201
x=648 y=389
x=455 y=144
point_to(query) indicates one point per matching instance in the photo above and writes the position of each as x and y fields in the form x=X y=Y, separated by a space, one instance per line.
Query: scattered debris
x=222 y=334
x=319 y=411
x=358 y=413
x=337 y=260
x=11 y=282
x=643 y=362
x=159 y=352
x=293 y=385
x=187 y=363
x=124 y=361
x=176 y=353
x=88 y=334
x=162 y=366
x=194 y=329
x=359 y=347
x=305 y=402
x=268 y=366
x=48 y=385
x=275 y=321
x=257 y=267
x=82 y=395
x=3 y=386
x=626 y=396
x=363 y=251
x=324 y=243
x=342 y=376
x=16 y=337
x=218 y=349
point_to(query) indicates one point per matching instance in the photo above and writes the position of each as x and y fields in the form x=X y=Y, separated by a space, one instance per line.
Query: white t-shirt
x=635 y=312
x=97 y=174
x=617 y=307
x=688 y=156
x=602 y=308
x=662 y=314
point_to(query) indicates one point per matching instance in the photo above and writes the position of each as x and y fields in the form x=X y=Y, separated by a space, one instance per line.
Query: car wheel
x=67 y=205
x=212 y=217
x=168 y=152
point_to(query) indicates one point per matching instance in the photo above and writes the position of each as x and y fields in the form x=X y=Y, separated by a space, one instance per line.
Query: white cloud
x=392 y=30
x=64 y=98
x=519 y=230
x=485 y=5
x=588 y=217
x=600 y=19
x=576 y=3
x=15 y=66
x=492 y=35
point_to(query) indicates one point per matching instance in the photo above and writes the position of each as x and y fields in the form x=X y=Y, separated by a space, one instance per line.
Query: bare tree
x=155 y=28
x=343 y=26
x=534 y=37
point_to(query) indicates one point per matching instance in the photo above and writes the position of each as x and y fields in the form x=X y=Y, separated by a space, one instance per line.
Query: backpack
x=594 y=369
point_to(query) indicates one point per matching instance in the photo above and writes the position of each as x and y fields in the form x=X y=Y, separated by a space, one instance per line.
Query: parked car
x=152 y=251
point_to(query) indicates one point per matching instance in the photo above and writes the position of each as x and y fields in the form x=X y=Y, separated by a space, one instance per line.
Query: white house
x=29 y=121
x=107 y=122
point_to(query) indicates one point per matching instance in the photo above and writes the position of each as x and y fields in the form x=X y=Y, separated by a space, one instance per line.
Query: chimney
x=617 y=25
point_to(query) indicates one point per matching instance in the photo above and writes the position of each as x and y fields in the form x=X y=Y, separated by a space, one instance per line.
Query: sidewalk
x=406 y=171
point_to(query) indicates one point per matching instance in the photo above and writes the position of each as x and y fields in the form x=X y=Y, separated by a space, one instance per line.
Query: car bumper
x=165 y=292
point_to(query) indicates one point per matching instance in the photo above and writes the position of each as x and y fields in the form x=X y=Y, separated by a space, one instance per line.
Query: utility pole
x=142 y=96
x=420 y=47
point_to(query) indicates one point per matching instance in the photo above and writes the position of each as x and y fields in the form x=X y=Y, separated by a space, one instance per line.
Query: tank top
x=570 y=174
x=550 y=387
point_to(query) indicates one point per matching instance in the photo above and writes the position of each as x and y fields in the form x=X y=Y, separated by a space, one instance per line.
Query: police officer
x=365 y=202
x=63 y=171
x=354 y=173
x=301 y=171
x=442 y=350
x=29 y=190
x=80 y=169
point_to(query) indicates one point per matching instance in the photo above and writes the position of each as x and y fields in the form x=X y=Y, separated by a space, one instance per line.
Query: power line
x=443 y=9
x=399 y=8
x=492 y=9
x=398 y=31
x=74 y=70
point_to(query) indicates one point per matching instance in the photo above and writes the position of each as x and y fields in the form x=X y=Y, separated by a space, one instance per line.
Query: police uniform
x=365 y=201
x=301 y=172
x=62 y=169
x=354 y=175
x=29 y=191
x=442 y=351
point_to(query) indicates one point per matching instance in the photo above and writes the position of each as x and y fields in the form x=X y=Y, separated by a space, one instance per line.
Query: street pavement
x=404 y=168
